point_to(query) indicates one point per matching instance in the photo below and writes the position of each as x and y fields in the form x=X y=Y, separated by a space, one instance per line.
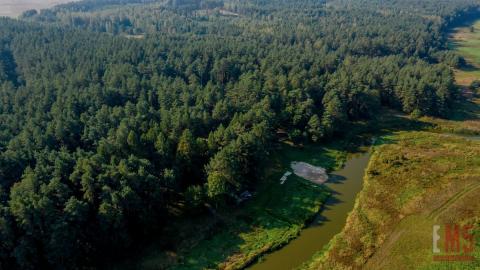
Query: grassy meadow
x=414 y=180
x=467 y=43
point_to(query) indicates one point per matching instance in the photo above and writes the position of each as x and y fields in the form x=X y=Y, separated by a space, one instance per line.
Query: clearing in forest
x=466 y=41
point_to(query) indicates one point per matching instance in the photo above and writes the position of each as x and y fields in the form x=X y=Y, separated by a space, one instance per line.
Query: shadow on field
x=373 y=132
x=465 y=110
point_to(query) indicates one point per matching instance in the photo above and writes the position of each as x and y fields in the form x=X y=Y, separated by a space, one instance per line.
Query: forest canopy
x=112 y=111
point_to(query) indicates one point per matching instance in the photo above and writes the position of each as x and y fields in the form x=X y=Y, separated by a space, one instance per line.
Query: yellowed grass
x=419 y=180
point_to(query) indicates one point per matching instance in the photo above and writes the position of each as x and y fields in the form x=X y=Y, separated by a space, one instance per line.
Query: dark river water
x=345 y=183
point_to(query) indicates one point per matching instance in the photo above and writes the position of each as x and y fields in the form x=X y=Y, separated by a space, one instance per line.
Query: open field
x=467 y=43
x=414 y=180
x=13 y=8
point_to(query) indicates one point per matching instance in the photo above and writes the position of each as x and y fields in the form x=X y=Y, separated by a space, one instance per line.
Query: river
x=345 y=184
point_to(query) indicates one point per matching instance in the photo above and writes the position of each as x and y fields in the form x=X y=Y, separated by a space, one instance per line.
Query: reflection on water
x=345 y=183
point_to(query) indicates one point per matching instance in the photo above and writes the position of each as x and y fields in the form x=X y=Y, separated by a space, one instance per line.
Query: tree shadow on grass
x=264 y=224
x=468 y=67
x=362 y=135
x=465 y=110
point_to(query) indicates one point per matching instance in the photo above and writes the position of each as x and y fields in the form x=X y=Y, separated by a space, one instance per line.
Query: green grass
x=270 y=220
x=410 y=176
x=265 y=224
x=467 y=44
x=275 y=215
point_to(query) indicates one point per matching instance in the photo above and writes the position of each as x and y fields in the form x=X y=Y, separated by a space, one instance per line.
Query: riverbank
x=410 y=179
x=417 y=179
x=271 y=219
x=276 y=215
x=345 y=185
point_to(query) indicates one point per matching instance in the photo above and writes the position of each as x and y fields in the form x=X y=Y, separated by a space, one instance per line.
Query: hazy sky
x=14 y=8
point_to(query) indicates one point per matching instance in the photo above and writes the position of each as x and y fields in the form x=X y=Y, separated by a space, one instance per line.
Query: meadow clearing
x=465 y=40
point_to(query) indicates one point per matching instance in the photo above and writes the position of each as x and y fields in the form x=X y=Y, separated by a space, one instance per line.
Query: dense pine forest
x=113 y=111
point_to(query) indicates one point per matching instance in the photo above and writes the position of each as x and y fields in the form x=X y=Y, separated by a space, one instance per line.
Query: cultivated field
x=13 y=8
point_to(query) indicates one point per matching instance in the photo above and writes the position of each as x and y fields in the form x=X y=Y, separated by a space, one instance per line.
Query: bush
x=195 y=196
x=416 y=113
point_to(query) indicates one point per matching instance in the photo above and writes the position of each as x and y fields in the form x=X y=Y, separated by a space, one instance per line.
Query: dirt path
x=459 y=195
